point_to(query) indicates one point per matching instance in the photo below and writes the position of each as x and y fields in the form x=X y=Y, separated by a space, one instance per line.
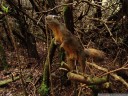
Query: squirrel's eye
x=54 y=16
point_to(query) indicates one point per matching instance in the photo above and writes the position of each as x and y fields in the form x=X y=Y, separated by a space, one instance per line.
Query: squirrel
x=73 y=48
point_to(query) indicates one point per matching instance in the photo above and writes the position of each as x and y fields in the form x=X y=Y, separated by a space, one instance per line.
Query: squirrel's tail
x=97 y=55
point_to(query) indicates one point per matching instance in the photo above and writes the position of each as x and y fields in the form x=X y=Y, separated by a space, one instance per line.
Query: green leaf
x=4 y=8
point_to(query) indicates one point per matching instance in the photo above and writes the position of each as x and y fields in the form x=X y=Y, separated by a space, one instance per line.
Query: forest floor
x=32 y=75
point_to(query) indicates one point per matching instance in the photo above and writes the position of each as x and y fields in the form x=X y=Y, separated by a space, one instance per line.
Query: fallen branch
x=102 y=69
x=4 y=82
x=112 y=74
x=88 y=80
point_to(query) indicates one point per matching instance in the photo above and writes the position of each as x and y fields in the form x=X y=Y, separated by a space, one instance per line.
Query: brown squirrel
x=71 y=45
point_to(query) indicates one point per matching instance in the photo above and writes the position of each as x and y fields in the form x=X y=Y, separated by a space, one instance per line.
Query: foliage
x=4 y=8
x=44 y=89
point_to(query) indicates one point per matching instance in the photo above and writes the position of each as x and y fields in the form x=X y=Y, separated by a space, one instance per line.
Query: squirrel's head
x=52 y=19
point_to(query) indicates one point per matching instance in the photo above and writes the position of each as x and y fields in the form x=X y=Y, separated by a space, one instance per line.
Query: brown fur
x=72 y=46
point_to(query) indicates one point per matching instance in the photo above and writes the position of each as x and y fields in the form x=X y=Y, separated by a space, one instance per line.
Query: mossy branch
x=86 y=79
x=64 y=65
x=45 y=86
x=4 y=82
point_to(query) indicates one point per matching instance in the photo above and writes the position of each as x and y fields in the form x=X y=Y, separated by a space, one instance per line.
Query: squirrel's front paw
x=61 y=46
x=55 y=42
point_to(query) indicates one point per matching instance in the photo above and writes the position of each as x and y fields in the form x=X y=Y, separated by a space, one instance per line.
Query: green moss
x=43 y=90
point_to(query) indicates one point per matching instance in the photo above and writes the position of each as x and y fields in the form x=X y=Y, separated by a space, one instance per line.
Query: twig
x=116 y=57
x=122 y=68
x=114 y=71
x=11 y=3
x=56 y=7
x=17 y=56
x=110 y=33
x=92 y=4
x=104 y=22
x=112 y=74
x=100 y=20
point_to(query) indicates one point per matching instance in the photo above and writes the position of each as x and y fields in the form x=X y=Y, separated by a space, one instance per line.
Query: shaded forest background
x=25 y=40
